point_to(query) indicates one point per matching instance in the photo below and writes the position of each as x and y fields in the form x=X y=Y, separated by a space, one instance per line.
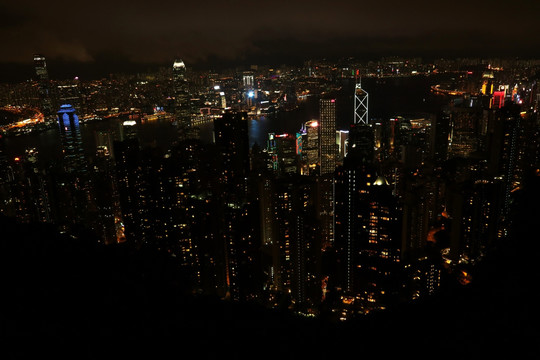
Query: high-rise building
x=440 y=133
x=131 y=189
x=361 y=143
x=69 y=92
x=328 y=155
x=234 y=211
x=181 y=94
x=105 y=195
x=380 y=256
x=503 y=148
x=77 y=205
x=231 y=137
x=282 y=149
x=72 y=146
x=44 y=85
x=327 y=136
x=342 y=141
x=296 y=249
x=310 y=147
x=361 y=105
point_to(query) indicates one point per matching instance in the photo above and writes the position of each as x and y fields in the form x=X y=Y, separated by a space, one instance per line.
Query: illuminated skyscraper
x=181 y=94
x=327 y=136
x=361 y=135
x=70 y=133
x=361 y=97
x=310 y=146
x=77 y=205
x=44 y=86
x=328 y=155
x=282 y=149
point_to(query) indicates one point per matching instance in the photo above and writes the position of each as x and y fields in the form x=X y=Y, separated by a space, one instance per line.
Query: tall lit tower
x=327 y=137
x=68 y=123
x=76 y=204
x=360 y=104
x=43 y=79
x=181 y=93
x=328 y=154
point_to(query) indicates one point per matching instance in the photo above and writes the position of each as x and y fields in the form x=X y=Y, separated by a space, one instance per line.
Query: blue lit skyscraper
x=70 y=133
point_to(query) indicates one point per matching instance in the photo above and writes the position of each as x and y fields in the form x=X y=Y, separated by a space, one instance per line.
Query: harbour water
x=388 y=97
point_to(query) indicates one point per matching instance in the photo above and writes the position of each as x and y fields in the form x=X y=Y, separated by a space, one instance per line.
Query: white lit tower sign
x=360 y=103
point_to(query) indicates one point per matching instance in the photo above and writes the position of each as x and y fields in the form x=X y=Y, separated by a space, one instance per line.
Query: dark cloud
x=158 y=31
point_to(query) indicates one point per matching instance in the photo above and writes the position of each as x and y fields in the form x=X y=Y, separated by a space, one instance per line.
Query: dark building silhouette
x=42 y=74
x=232 y=142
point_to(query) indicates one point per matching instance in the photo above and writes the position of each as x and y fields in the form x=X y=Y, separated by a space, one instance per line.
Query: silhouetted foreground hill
x=65 y=297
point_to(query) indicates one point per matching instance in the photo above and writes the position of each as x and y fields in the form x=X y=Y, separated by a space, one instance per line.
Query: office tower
x=328 y=154
x=249 y=91
x=72 y=146
x=361 y=143
x=75 y=204
x=75 y=200
x=282 y=149
x=69 y=92
x=310 y=147
x=44 y=85
x=342 y=141
x=361 y=105
x=327 y=133
x=181 y=94
x=248 y=80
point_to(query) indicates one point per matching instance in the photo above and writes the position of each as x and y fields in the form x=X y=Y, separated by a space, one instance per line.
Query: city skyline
x=346 y=196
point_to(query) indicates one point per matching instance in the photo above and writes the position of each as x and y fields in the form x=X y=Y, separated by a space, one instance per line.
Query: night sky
x=129 y=33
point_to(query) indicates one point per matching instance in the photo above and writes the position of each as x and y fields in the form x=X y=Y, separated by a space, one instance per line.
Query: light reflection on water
x=387 y=99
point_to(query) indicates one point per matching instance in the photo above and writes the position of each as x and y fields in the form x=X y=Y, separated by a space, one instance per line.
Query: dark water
x=387 y=98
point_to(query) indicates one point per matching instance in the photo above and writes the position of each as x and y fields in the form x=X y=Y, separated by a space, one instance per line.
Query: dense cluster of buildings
x=323 y=220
